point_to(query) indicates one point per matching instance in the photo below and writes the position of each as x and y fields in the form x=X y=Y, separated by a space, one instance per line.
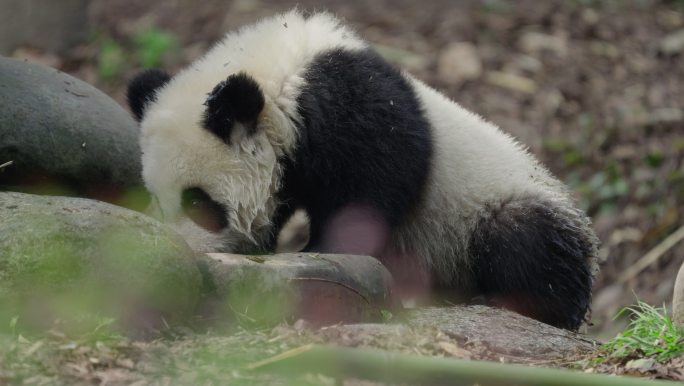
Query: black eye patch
x=203 y=211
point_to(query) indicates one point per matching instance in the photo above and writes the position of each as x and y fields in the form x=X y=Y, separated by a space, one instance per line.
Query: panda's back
x=475 y=166
x=474 y=160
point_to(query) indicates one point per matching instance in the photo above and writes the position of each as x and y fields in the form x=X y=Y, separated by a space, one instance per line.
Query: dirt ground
x=594 y=88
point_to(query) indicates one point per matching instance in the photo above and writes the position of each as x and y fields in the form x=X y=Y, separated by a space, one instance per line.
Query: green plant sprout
x=651 y=333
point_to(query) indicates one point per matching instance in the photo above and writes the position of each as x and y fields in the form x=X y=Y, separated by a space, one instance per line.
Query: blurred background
x=595 y=88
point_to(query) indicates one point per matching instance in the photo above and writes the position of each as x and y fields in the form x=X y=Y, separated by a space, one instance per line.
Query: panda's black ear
x=143 y=89
x=238 y=99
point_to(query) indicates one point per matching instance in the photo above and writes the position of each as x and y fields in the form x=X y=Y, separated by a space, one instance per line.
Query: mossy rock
x=71 y=260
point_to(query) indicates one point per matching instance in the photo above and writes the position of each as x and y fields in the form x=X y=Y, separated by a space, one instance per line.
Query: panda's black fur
x=364 y=145
x=141 y=89
x=368 y=144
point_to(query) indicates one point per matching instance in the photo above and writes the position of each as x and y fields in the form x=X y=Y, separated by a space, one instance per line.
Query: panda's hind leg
x=535 y=257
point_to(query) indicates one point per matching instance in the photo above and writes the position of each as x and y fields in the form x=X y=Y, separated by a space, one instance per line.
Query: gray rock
x=503 y=332
x=402 y=58
x=57 y=129
x=459 y=62
x=63 y=257
x=467 y=332
x=673 y=43
x=533 y=42
x=511 y=81
x=323 y=289
x=45 y=24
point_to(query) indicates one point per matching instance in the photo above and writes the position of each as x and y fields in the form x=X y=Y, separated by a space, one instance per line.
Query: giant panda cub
x=297 y=112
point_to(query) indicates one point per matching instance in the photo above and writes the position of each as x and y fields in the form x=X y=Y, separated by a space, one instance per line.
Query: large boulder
x=61 y=135
x=74 y=260
x=61 y=258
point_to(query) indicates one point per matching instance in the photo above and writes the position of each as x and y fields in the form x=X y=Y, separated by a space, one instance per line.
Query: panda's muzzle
x=203 y=211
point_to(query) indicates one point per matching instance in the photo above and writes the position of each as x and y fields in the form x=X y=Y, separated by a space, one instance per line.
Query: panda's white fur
x=178 y=152
x=474 y=167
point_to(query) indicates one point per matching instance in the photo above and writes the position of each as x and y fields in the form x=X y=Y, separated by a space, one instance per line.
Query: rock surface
x=459 y=62
x=503 y=332
x=466 y=332
x=58 y=130
x=61 y=257
x=322 y=289
x=673 y=43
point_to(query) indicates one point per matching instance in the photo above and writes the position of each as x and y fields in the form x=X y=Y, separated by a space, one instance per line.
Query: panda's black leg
x=533 y=257
x=354 y=229
x=315 y=243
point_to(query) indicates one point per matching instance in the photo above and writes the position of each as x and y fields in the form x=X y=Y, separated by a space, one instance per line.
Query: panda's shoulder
x=293 y=31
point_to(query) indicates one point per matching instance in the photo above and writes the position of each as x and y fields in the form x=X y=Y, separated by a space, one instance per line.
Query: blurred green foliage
x=655 y=158
x=497 y=6
x=151 y=46
x=387 y=316
x=147 y=49
x=111 y=59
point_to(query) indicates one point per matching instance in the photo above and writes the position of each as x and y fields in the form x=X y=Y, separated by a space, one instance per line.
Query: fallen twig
x=653 y=255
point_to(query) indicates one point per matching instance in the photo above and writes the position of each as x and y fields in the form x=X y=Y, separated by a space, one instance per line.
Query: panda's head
x=214 y=136
x=211 y=152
